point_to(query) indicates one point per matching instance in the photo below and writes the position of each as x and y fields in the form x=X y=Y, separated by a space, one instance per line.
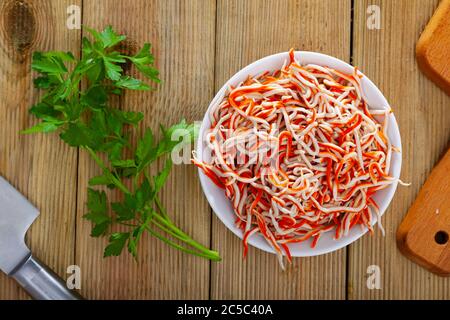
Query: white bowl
x=375 y=99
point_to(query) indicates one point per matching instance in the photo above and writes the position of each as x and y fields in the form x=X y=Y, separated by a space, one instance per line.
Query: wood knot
x=129 y=48
x=19 y=26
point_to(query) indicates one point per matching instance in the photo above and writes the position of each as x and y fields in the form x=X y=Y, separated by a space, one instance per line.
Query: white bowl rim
x=355 y=233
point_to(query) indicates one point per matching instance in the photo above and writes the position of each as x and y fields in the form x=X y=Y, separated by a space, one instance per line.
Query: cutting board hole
x=441 y=237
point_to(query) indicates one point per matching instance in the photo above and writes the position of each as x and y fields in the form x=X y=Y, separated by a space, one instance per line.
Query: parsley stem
x=127 y=224
x=177 y=233
x=162 y=227
x=161 y=208
x=106 y=171
x=211 y=255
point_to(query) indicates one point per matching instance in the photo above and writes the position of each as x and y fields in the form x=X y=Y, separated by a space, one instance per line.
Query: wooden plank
x=182 y=34
x=40 y=166
x=247 y=31
x=387 y=57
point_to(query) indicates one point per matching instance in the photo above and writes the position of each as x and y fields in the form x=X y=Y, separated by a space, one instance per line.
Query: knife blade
x=16 y=216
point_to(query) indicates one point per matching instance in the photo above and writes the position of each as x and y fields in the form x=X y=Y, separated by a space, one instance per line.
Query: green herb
x=84 y=118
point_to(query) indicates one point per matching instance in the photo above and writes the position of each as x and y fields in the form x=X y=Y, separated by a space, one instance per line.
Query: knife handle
x=41 y=283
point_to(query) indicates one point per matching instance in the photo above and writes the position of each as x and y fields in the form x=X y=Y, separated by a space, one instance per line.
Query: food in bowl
x=299 y=153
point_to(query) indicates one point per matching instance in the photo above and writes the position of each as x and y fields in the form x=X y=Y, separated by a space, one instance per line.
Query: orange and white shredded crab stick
x=325 y=154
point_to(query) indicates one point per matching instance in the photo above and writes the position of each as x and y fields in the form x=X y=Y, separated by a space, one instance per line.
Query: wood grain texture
x=247 y=31
x=198 y=45
x=387 y=56
x=182 y=35
x=40 y=166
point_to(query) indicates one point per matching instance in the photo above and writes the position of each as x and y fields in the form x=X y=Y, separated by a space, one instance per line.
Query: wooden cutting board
x=423 y=236
x=433 y=47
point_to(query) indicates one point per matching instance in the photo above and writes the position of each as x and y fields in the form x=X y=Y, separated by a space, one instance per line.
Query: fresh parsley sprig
x=76 y=103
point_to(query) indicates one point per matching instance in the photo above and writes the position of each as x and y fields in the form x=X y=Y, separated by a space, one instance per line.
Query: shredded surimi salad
x=299 y=153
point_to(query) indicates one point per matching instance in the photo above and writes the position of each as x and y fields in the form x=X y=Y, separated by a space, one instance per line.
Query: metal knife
x=16 y=216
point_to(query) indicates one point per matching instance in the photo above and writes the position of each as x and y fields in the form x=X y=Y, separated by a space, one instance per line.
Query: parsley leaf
x=95 y=97
x=80 y=135
x=128 y=82
x=100 y=180
x=98 y=212
x=145 y=151
x=116 y=244
x=46 y=126
x=161 y=177
x=107 y=38
x=113 y=71
x=175 y=135
x=44 y=111
x=144 y=63
x=123 y=212
x=143 y=194
x=51 y=62
x=128 y=163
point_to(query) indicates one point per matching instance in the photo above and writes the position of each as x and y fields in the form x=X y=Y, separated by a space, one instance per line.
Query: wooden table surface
x=198 y=45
